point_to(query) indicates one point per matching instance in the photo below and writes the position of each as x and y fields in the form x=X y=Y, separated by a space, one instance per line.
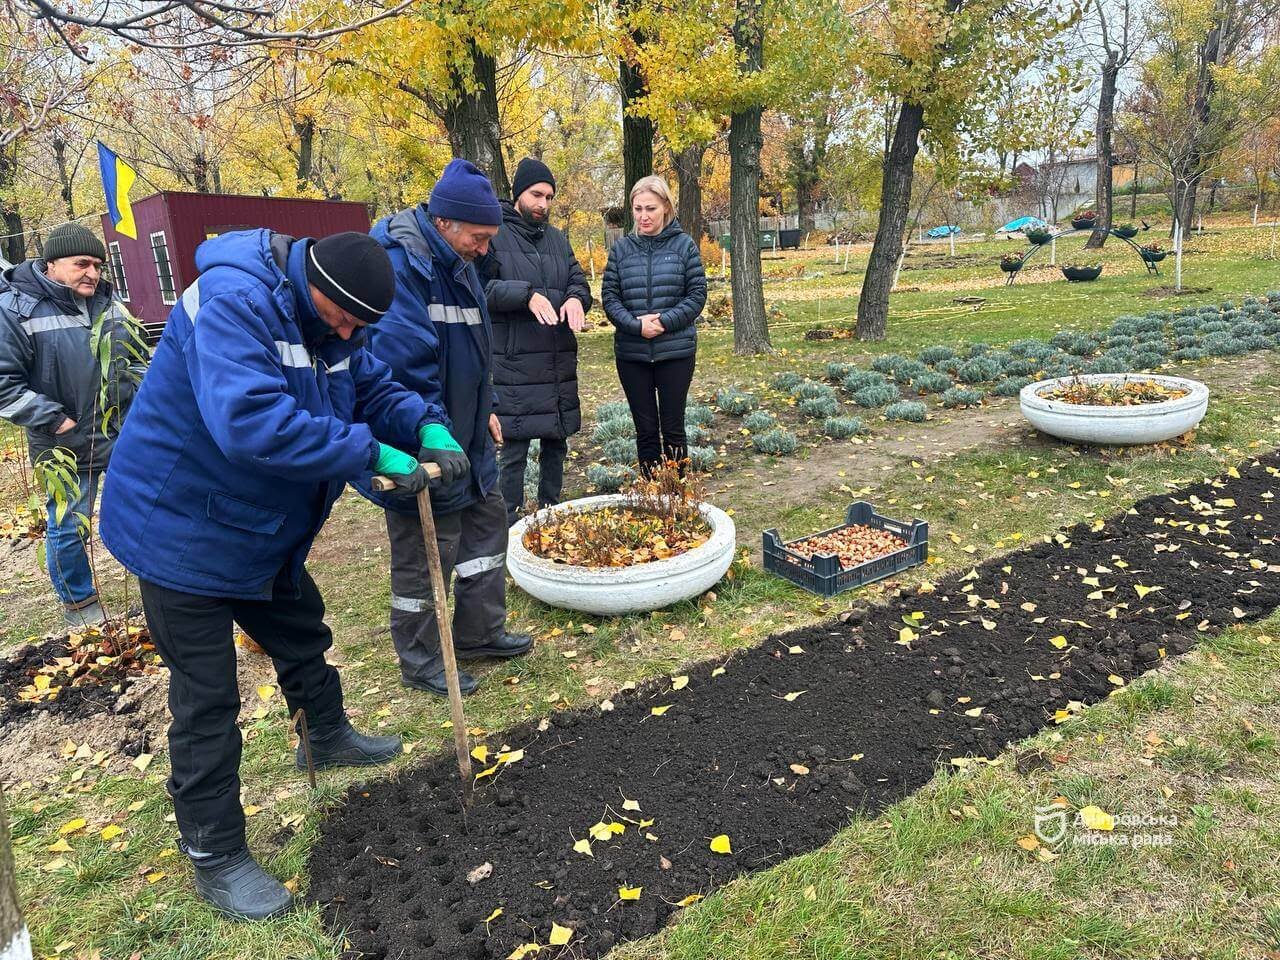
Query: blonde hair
x=658 y=187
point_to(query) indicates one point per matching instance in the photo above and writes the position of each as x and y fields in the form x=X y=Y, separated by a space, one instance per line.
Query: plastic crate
x=823 y=574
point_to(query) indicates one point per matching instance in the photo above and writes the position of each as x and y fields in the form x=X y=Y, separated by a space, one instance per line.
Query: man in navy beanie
x=437 y=339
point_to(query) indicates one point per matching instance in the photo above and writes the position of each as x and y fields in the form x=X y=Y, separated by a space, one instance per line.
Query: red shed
x=151 y=272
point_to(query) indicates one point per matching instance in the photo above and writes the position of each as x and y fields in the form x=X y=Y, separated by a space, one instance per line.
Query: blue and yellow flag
x=117 y=178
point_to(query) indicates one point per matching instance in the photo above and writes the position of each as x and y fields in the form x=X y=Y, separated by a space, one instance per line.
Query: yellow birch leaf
x=659 y=711
x=795 y=650
x=1142 y=591
x=142 y=761
x=799 y=769
x=583 y=846
x=1029 y=842
x=522 y=951
x=721 y=844
x=618 y=828
x=72 y=826
x=266 y=691
x=975 y=712
x=1118 y=681
x=487 y=772
x=791 y=697
x=61 y=846
x=905 y=636
x=493 y=916
x=252 y=810
x=718 y=671
x=1095 y=818
x=111 y=831
x=811 y=892
x=629 y=893
x=511 y=756
x=645 y=823
x=156 y=876
x=1059 y=641
x=600 y=831
x=480 y=754
x=559 y=935
x=690 y=899
x=631 y=805
x=679 y=683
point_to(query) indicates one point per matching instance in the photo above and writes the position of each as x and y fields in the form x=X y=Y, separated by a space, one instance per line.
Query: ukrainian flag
x=117 y=178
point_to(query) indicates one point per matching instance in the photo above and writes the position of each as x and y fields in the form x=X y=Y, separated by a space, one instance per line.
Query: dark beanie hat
x=353 y=271
x=465 y=194
x=528 y=172
x=73 y=240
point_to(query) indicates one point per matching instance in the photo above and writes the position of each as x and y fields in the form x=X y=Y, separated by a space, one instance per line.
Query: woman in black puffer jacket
x=653 y=292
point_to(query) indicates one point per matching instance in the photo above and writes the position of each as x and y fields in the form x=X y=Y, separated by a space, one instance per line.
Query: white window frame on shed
x=118 y=279
x=172 y=297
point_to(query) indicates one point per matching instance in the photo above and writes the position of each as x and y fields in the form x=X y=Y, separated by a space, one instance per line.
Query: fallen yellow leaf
x=629 y=893
x=659 y=711
x=559 y=935
x=142 y=761
x=111 y=831
x=691 y=898
x=1059 y=641
x=522 y=951
x=266 y=691
x=720 y=844
x=583 y=846
x=480 y=754
x=679 y=683
x=60 y=846
x=72 y=826
x=1095 y=818
x=493 y=916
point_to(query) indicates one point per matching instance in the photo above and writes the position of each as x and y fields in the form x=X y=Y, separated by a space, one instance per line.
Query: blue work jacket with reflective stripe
x=437 y=340
x=242 y=435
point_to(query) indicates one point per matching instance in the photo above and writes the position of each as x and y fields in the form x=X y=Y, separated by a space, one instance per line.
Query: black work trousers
x=513 y=458
x=194 y=636
x=656 y=393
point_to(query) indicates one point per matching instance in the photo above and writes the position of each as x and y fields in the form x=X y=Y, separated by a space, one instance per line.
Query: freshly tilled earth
x=779 y=746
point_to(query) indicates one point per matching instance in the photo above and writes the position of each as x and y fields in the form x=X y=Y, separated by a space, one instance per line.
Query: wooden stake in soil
x=439 y=599
x=304 y=737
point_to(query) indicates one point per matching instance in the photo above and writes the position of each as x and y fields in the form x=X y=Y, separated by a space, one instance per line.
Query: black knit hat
x=73 y=240
x=353 y=271
x=528 y=172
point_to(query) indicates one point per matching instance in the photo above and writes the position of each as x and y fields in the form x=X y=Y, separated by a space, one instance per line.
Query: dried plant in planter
x=1129 y=393
x=657 y=519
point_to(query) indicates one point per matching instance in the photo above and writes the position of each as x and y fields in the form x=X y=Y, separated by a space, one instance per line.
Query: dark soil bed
x=85 y=689
x=738 y=754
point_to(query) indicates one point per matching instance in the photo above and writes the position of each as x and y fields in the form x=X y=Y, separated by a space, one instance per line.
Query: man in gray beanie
x=52 y=311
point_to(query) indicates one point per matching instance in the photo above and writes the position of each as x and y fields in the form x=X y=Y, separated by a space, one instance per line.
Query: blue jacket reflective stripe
x=241 y=439
x=437 y=340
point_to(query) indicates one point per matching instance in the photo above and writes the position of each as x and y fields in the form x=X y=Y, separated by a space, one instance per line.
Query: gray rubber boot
x=345 y=746
x=237 y=887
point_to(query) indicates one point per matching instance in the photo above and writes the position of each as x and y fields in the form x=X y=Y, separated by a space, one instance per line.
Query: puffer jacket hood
x=661 y=274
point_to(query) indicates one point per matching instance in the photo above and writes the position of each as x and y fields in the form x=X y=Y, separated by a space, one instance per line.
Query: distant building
x=1059 y=187
x=151 y=272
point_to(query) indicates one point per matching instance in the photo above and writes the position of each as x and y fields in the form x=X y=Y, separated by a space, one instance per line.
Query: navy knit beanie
x=529 y=171
x=465 y=194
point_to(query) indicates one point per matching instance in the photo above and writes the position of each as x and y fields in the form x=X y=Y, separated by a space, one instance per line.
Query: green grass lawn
x=941 y=874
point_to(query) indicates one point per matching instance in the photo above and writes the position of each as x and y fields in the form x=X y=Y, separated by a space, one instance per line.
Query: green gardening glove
x=439 y=447
x=401 y=469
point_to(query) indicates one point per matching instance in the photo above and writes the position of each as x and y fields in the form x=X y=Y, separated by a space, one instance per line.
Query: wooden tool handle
x=385 y=484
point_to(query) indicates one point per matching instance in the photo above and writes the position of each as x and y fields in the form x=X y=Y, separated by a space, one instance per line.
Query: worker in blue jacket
x=260 y=404
x=437 y=340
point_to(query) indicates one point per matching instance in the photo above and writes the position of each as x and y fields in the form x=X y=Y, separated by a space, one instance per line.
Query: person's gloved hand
x=439 y=447
x=406 y=473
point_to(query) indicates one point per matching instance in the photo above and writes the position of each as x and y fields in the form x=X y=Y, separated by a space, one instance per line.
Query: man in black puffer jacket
x=537 y=297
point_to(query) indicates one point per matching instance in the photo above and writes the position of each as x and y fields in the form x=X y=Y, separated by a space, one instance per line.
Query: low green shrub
x=620 y=450
x=876 y=395
x=811 y=389
x=608 y=430
x=841 y=428
x=911 y=410
x=907 y=371
x=817 y=408
x=777 y=441
x=936 y=354
x=838 y=370
x=1147 y=360
x=1188 y=353
x=1011 y=387
x=932 y=382
x=609 y=478
x=887 y=362
x=695 y=433
x=759 y=420
x=612 y=411
x=961 y=397
x=736 y=402
x=702 y=458
x=699 y=413
x=1109 y=364
x=786 y=381
x=858 y=379
x=977 y=370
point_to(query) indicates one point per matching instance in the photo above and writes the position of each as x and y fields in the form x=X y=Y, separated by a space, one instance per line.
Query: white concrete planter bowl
x=1115 y=426
x=613 y=591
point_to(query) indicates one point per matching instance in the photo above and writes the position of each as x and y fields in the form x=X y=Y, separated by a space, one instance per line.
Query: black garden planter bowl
x=1077 y=274
x=1084 y=223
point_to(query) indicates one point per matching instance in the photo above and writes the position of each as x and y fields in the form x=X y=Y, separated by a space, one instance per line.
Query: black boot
x=437 y=684
x=345 y=746
x=508 y=645
x=235 y=886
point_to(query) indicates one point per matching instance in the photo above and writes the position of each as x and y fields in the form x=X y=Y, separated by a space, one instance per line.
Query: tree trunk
x=750 y=323
x=64 y=178
x=1103 y=135
x=1133 y=197
x=637 y=132
x=305 y=130
x=688 y=164
x=895 y=204
x=472 y=121
x=200 y=173
x=806 y=172
x=1184 y=199
x=15 y=943
x=15 y=241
